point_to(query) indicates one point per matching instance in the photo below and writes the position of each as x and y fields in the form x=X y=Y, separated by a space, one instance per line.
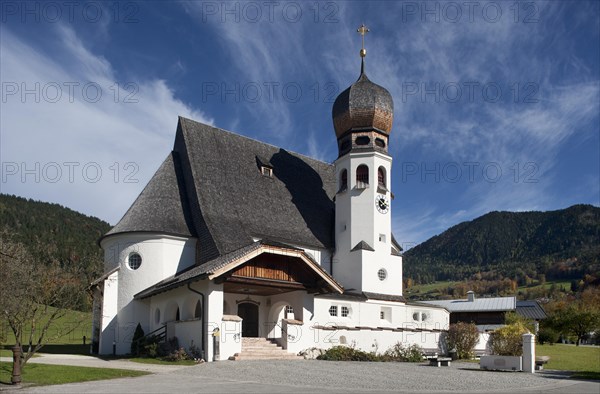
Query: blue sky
x=496 y=103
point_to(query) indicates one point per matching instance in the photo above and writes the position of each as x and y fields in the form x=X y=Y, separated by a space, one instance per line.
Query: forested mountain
x=51 y=232
x=562 y=244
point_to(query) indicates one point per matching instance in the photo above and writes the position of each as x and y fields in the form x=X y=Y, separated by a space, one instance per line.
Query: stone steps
x=262 y=349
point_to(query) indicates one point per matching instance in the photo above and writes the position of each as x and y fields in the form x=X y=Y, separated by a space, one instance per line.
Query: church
x=233 y=239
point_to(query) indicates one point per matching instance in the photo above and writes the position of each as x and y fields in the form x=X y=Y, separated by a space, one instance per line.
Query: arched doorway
x=249 y=313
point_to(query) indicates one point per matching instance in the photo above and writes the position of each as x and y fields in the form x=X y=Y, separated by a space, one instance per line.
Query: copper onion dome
x=364 y=105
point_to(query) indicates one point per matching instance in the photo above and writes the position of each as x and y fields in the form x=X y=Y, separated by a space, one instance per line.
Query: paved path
x=276 y=376
x=89 y=361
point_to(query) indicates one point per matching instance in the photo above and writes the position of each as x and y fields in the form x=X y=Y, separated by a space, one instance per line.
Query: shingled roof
x=161 y=206
x=211 y=187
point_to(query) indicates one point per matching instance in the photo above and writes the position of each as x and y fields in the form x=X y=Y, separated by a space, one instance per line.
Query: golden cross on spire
x=363 y=30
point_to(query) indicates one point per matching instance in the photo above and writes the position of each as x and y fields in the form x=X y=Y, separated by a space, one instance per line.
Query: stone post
x=529 y=353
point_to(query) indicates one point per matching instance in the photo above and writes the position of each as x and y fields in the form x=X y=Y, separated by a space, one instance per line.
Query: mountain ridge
x=511 y=244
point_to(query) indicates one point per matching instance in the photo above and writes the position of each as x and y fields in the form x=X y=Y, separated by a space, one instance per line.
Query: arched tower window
x=362 y=176
x=381 y=177
x=344 y=180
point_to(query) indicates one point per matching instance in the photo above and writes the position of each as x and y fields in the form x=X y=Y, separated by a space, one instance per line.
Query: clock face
x=382 y=203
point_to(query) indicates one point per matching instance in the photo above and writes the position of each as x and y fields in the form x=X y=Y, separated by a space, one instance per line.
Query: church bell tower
x=365 y=260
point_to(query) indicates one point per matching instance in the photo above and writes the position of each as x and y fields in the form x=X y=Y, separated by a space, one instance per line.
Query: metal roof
x=477 y=305
x=531 y=310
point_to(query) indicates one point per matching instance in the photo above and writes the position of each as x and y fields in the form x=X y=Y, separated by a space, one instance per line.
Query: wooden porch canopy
x=272 y=270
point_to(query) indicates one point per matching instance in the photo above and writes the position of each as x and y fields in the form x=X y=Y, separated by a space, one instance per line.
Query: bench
x=429 y=353
x=540 y=361
x=440 y=361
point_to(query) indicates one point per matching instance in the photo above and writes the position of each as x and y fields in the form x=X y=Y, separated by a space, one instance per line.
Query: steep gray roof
x=161 y=206
x=232 y=202
x=211 y=187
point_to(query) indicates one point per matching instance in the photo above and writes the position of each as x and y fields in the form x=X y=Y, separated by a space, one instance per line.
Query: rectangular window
x=381 y=237
x=266 y=171
x=385 y=313
x=333 y=310
x=345 y=311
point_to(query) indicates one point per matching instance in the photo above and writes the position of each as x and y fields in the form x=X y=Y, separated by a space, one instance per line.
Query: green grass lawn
x=584 y=360
x=566 y=284
x=42 y=374
x=79 y=323
x=432 y=290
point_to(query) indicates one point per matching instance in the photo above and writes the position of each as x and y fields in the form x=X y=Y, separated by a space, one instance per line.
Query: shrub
x=137 y=338
x=547 y=335
x=169 y=347
x=513 y=317
x=151 y=350
x=177 y=355
x=412 y=353
x=463 y=337
x=344 y=353
x=194 y=353
x=508 y=340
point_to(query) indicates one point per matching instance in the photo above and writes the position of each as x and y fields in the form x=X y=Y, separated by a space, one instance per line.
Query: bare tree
x=35 y=295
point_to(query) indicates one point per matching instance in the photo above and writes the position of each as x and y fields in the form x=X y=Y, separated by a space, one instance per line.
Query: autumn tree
x=34 y=296
x=577 y=317
x=463 y=337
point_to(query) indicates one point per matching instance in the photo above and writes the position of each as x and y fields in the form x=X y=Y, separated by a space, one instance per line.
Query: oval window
x=134 y=261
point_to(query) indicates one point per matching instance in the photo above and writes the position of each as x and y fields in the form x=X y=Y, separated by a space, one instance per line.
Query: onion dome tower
x=365 y=259
x=363 y=113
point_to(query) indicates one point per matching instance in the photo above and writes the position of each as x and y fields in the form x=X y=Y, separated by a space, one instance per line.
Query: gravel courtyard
x=279 y=376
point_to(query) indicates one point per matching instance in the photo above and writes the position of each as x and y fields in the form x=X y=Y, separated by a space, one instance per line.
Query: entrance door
x=249 y=312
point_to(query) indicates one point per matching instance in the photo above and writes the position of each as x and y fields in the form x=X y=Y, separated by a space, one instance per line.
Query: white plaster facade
x=347 y=291
x=162 y=256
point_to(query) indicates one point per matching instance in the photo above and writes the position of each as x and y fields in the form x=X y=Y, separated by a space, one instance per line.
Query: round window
x=382 y=274
x=134 y=261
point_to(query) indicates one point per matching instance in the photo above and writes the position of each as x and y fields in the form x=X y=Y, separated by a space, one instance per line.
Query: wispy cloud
x=113 y=134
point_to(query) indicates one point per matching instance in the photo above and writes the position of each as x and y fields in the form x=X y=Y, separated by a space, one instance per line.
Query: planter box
x=505 y=363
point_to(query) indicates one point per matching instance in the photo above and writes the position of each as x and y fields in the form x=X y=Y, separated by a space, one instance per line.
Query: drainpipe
x=203 y=320
x=331 y=263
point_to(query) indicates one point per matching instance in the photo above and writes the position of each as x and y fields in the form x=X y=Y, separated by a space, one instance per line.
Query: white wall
x=357 y=219
x=314 y=333
x=162 y=256
x=108 y=325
